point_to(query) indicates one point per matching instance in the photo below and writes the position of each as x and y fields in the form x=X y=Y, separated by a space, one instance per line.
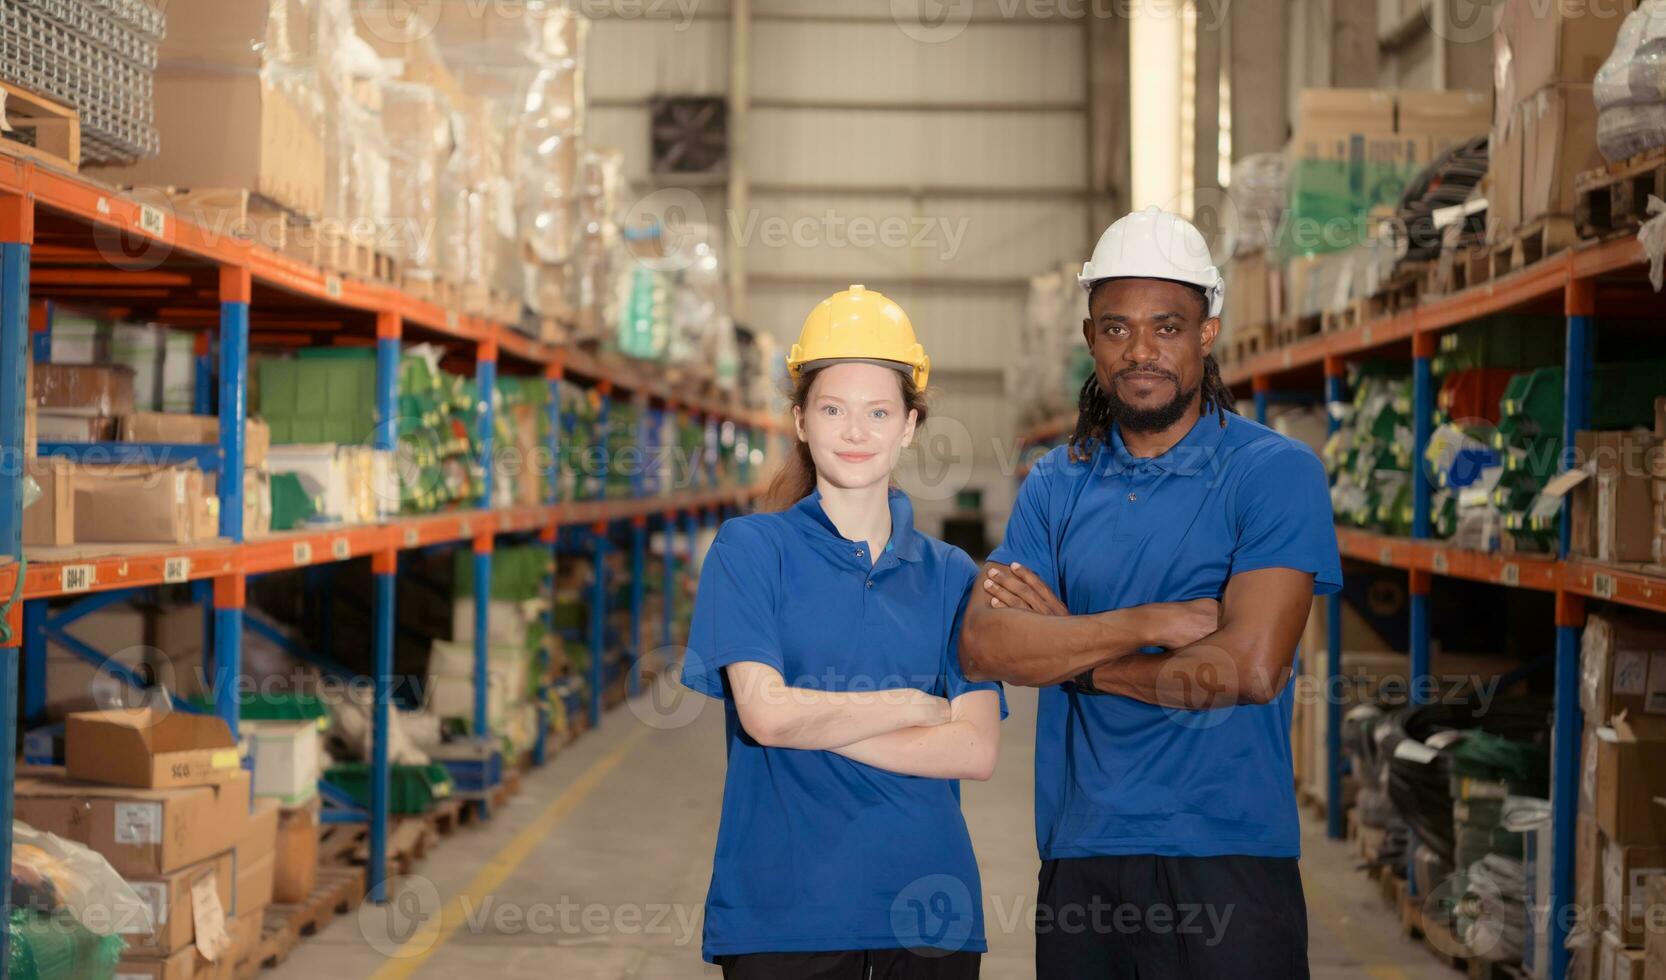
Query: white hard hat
x=1155 y=244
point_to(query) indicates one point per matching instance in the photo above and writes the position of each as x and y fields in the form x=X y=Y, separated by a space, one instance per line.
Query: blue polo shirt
x=1119 y=776
x=816 y=852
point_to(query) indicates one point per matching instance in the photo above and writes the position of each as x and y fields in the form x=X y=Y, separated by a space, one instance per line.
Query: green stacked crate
x=439 y=461
x=517 y=573
x=581 y=470
x=323 y=395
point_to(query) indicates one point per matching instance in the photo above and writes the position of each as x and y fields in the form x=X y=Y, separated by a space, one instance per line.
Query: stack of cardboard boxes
x=1544 y=120
x=1352 y=153
x=1618 y=493
x=1621 y=832
x=155 y=502
x=165 y=799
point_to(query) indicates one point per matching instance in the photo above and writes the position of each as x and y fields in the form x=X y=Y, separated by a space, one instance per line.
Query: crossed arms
x=1237 y=651
x=902 y=730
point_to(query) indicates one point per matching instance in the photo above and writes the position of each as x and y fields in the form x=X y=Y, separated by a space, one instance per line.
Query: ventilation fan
x=689 y=134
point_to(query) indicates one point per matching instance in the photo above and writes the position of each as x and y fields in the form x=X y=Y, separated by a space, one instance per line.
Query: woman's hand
x=930 y=709
x=1016 y=587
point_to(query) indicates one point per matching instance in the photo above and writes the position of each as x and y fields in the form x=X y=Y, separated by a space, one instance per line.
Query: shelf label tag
x=1365 y=335
x=152 y=221
x=340 y=549
x=467 y=529
x=302 y=553
x=76 y=578
x=1510 y=574
x=1440 y=562
x=176 y=569
x=411 y=537
x=451 y=320
x=1603 y=585
x=1385 y=556
x=1287 y=359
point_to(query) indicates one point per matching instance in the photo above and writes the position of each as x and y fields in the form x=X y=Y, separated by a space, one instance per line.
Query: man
x=1154 y=581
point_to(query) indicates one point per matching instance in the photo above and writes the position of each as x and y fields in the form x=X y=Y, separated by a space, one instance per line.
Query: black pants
x=1161 y=918
x=873 y=964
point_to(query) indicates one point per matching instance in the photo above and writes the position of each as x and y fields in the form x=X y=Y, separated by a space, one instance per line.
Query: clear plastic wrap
x=1257 y=192
x=1635 y=72
x=1628 y=130
x=50 y=873
x=417 y=124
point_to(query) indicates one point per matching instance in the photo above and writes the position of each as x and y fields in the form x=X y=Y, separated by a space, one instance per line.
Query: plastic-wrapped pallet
x=1257 y=194
x=1630 y=87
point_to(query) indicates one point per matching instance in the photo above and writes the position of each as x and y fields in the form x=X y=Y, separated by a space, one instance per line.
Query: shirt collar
x=905 y=540
x=1194 y=453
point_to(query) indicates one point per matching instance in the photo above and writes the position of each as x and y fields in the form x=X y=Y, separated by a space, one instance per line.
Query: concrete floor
x=598 y=870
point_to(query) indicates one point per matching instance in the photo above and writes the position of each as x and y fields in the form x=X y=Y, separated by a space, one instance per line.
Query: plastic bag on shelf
x=50 y=874
x=1627 y=130
x=1257 y=192
x=417 y=124
x=1635 y=72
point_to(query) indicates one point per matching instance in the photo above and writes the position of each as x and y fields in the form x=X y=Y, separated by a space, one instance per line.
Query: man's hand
x=1017 y=587
x=1173 y=625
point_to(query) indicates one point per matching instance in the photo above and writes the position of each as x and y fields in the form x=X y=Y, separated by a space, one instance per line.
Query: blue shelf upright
x=236 y=291
x=384 y=566
x=1335 y=394
x=17 y=235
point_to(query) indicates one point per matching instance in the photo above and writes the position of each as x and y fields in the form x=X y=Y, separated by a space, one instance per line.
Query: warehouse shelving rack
x=67 y=239
x=1607 y=278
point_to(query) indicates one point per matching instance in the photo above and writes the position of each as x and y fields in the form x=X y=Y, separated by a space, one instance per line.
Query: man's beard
x=1149 y=419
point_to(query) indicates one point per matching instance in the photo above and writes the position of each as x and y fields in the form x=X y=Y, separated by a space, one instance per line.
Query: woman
x=828 y=628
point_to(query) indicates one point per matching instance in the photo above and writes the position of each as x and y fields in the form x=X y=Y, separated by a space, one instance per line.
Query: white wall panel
x=623 y=128
x=1022 y=149
x=636 y=58
x=1010 y=62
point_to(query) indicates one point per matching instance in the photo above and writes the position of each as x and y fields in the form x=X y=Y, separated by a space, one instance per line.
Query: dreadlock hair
x=1094 y=413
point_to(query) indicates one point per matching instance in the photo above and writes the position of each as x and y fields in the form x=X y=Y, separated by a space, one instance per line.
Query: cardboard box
x=1625 y=869
x=1622 y=667
x=104 y=390
x=169 y=898
x=1354 y=110
x=146 y=748
x=1248 y=295
x=1551 y=42
x=139 y=831
x=1443 y=119
x=285 y=754
x=1617 y=962
x=1612 y=514
x=1629 y=777
x=54 y=425
x=1504 y=173
x=174 y=427
x=1587 y=866
x=1654 y=945
x=118 y=504
x=297 y=853
x=1559 y=139
x=255 y=859
x=189 y=963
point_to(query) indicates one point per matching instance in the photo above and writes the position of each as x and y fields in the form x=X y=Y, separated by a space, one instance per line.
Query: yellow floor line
x=504 y=863
x=1327 y=903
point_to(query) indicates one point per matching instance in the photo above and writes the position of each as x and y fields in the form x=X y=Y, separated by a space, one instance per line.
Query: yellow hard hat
x=859 y=324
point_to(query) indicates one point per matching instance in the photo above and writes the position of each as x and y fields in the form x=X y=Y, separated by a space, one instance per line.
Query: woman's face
x=855 y=423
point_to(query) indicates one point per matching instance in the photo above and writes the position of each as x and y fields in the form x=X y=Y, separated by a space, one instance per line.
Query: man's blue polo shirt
x=1119 y=776
x=816 y=852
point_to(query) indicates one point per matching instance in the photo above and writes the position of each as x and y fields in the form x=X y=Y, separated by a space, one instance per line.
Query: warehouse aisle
x=598 y=870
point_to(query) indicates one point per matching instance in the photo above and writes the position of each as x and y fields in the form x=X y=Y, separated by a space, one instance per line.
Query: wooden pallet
x=1614 y=199
x=445 y=818
x=1292 y=329
x=352 y=251
x=243 y=214
x=409 y=839
x=1536 y=240
x=338 y=891
x=1477 y=267
x=40 y=129
x=439 y=292
x=482 y=300
x=1245 y=342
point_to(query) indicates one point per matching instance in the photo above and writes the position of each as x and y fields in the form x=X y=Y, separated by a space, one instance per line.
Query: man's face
x=1148 y=338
